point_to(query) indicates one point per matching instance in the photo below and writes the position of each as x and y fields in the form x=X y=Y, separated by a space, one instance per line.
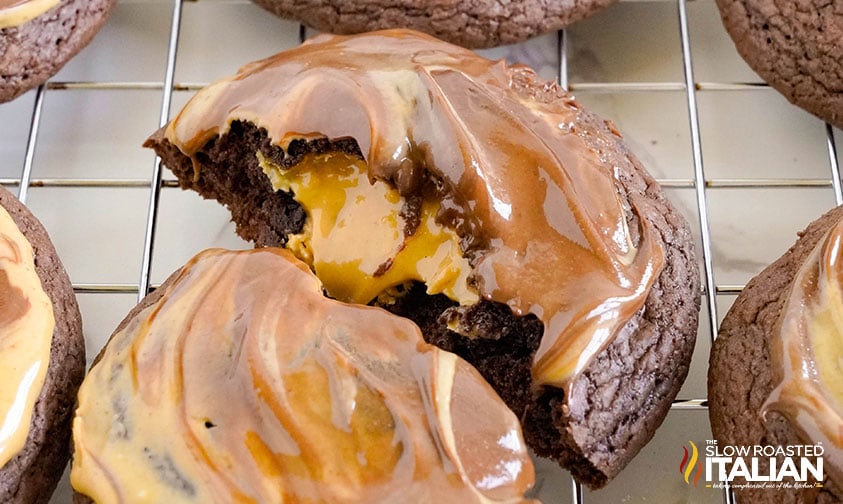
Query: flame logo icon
x=686 y=467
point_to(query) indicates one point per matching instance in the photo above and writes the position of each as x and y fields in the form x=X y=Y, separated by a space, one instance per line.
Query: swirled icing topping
x=807 y=352
x=537 y=211
x=26 y=334
x=243 y=383
x=18 y=12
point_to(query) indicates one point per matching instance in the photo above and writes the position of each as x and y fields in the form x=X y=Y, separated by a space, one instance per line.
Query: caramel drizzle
x=8 y=4
x=807 y=352
x=266 y=391
x=537 y=207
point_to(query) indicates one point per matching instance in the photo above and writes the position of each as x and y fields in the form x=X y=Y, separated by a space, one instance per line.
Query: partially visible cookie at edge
x=796 y=47
x=741 y=375
x=33 y=473
x=469 y=23
x=33 y=49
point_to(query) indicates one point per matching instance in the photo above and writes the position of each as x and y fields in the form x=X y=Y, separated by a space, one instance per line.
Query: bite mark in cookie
x=362 y=239
x=566 y=236
x=541 y=224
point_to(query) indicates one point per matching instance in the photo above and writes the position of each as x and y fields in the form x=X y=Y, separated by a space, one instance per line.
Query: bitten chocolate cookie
x=42 y=358
x=774 y=376
x=469 y=23
x=479 y=201
x=37 y=37
x=796 y=47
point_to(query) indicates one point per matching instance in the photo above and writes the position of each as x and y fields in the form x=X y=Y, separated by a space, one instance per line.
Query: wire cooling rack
x=663 y=70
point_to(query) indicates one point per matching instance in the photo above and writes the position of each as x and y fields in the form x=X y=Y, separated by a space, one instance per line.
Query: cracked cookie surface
x=469 y=23
x=796 y=47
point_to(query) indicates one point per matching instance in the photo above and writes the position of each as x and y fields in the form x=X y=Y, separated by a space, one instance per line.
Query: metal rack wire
x=698 y=183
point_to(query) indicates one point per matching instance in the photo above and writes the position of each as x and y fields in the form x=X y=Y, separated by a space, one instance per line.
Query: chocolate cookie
x=743 y=375
x=796 y=47
x=32 y=474
x=469 y=23
x=33 y=49
x=479 y=167
x=287 y=396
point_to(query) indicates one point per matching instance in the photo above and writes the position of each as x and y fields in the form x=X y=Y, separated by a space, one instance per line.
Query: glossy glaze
x=243 y=383
x=538 y=211
x=26 y=334
x=807 y=352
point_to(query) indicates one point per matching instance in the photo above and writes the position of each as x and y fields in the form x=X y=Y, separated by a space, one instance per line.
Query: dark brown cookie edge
x=39 y=48
x=475 y=24
x=649 y=359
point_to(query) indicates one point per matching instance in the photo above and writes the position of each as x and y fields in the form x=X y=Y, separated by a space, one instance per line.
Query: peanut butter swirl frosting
x=807 y=352
x=241 y=382
x=536 y=212
x=26 y=335
x=18 y=12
